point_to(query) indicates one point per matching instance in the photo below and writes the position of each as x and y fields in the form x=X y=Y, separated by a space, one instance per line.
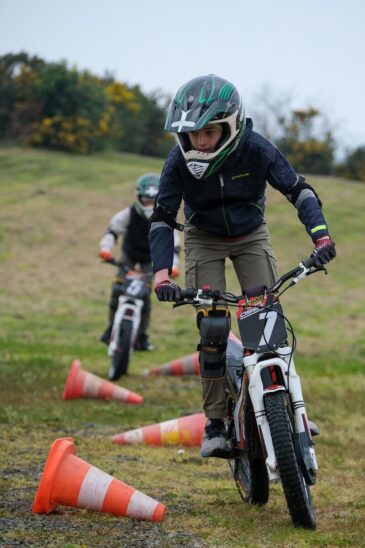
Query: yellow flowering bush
x=75 y=134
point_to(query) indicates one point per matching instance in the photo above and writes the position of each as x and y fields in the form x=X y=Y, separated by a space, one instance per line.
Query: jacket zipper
x=223 y=210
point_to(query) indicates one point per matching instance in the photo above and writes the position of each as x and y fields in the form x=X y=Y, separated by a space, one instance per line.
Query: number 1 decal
x=269 y=327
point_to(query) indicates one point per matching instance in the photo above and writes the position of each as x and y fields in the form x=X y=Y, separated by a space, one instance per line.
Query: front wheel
x=296 y=491
x=120 y=358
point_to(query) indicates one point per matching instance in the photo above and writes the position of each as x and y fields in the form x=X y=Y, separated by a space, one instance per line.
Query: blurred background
x=83 y=76
x=84 y=87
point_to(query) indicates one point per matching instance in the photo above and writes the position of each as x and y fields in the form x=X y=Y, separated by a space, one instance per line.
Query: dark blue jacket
x=231 y=202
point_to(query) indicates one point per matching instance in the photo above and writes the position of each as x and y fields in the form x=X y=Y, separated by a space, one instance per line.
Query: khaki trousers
x=254 y=263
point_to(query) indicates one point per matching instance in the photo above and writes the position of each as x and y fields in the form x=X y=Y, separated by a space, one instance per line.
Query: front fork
x=128 y=310
x=273 y=375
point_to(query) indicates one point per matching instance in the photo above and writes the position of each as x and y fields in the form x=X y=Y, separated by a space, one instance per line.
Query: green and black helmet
x=146 y=190
x=201 y=101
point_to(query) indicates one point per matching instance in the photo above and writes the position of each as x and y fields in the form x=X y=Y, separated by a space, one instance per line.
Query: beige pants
x=254 y=263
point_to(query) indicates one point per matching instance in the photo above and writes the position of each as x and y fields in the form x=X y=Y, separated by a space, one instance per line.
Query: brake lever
x=318 y=269
x=182 y=303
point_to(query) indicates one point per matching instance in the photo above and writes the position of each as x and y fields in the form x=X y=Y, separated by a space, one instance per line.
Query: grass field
x=53 y=306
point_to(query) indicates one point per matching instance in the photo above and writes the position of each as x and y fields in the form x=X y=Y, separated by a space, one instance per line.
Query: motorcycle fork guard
x=130 y=310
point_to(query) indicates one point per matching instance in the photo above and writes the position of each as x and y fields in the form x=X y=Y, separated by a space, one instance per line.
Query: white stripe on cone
x=91 y=385
x=169 y=426
x=141 y=506
x=134 y=436
x=93 y=489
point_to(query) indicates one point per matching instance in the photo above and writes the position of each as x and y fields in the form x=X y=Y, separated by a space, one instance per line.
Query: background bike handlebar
x=114 y=262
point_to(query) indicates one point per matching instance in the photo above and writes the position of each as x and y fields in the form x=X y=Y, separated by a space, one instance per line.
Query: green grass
x=53 y=306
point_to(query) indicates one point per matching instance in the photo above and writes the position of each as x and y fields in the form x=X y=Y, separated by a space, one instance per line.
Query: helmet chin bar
x=146 y=211
x=197 y=169
x=198 y=161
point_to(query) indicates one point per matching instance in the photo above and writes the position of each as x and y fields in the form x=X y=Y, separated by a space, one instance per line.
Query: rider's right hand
x=105 y=255
x=168 y=291
x=324 y=251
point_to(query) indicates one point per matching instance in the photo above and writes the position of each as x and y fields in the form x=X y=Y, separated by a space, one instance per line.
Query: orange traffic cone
x=188 y=365
x=82 y=384
x=186 y=431
x=70 y=481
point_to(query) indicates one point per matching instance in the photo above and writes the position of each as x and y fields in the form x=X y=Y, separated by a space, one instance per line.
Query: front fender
x=267 y=376
x=263 y=381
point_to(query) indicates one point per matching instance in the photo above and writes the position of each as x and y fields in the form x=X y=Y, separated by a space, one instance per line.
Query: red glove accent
x=105 y=255
x=175 y=272
x=324 y=251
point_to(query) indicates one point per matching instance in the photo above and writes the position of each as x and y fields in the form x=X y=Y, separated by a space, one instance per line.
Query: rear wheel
x=120 y=359
x=296 y=491
x=251 y=480
x=249 y=471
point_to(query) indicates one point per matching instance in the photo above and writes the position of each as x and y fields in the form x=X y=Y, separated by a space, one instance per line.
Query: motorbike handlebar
x=191 y=294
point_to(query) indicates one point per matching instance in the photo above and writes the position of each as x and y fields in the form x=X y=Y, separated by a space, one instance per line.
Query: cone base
x=159 y=513
x=60 y=449
x=68 y=390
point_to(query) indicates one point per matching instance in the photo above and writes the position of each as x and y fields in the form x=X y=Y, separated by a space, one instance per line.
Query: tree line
x=50 y=105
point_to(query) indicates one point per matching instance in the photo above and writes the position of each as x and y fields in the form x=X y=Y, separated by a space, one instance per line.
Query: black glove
x=168 y=291
x=324 y=251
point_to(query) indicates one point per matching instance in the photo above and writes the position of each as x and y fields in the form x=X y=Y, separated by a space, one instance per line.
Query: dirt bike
x=268 y=430
x=134 y=289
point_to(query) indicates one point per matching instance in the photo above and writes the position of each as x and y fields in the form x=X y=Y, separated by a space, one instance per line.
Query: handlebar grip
x=188 y=293
x=308 y=263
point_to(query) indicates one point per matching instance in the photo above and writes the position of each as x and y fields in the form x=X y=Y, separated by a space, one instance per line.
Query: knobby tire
x=296 y=491
x=120 y=359
x=249 y=471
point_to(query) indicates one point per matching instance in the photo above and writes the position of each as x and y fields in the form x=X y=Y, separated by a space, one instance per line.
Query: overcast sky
x=312 y=50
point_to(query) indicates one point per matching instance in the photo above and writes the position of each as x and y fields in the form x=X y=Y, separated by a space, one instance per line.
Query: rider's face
x=206 y=139
x=147 y=201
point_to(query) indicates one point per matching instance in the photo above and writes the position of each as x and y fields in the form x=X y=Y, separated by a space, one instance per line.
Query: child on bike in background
x=220 y=169
x=133 y=224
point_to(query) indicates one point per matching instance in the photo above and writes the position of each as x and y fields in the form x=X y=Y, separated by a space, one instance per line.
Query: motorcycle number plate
x=263 y=329
x=135 y=288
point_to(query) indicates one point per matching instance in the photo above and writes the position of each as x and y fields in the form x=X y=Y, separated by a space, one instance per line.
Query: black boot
x=215 y=442
x=143 y=342
x=105 y=337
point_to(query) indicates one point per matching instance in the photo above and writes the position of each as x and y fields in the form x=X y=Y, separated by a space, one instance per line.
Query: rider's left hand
x=324 y=251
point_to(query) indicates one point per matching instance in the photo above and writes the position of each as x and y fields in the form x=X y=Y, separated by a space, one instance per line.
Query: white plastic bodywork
x=134 y=306
x=257 y=392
